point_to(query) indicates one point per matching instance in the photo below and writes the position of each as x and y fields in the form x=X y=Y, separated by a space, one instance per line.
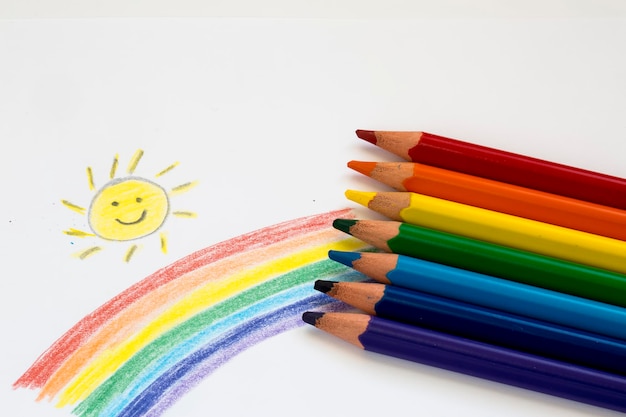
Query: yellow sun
x=127 y=208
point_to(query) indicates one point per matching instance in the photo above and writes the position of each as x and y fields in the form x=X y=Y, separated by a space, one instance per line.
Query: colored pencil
x=488 y=258
x=474 y=358
x=479 y=323
x=497 y=196
x=500 y=165
x=488 y=291
x=499 y=228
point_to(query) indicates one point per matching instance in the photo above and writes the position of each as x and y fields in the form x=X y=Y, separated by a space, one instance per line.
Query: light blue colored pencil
x=487 y=291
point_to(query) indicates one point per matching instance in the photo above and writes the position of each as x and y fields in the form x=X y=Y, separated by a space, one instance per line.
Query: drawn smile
x=139 y=220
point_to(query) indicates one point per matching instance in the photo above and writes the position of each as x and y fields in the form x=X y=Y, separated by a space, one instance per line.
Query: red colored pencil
x=503 y=166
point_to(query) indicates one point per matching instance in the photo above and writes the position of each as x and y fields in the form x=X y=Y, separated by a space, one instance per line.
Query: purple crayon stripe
x=187 y=373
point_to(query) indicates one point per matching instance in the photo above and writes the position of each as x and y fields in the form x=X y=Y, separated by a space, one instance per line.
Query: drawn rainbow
x=145 y=348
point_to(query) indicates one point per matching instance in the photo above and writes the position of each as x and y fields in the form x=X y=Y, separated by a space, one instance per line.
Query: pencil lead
x=368 y=135
x=361 y=197
x=346 y=258
x=344 y=224
x=310 y=317
x=324 y=285
x=362 y=167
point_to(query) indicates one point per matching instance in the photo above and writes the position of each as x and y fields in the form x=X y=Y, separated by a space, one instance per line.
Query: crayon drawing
x=141 y=351
x=127 y=208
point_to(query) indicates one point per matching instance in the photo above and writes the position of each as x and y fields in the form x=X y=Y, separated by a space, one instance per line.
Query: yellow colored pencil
x=499 y=228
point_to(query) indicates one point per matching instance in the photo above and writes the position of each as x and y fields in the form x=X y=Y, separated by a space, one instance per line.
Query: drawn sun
x=127 y=208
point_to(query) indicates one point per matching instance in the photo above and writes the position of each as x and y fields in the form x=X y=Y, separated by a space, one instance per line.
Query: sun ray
x=88 y=252
x=134 y=161
x=168 y=169
x=74 y=207
x=92 y=186
x=114 y=166
x=183 y=188
x=163 y=242
x=78 y=233
x=186 y=214
x=130 y=252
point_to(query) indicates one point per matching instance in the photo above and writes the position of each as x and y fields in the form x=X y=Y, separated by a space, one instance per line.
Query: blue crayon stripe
x=110 y=398
x=154 y=398
x=203 y=338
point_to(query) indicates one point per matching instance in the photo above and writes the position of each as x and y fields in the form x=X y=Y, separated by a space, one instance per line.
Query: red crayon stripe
x=43 y=368
x=499 y=165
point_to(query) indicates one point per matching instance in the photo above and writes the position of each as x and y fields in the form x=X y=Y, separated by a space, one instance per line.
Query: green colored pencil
x=490 y=259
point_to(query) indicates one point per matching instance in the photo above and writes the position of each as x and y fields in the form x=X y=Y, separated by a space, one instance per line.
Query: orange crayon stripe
x=123 y=326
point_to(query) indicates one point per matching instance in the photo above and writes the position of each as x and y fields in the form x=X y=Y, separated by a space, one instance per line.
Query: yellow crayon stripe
x=209 y=294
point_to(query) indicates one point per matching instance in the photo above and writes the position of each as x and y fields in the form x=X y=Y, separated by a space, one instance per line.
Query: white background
x=261 y=111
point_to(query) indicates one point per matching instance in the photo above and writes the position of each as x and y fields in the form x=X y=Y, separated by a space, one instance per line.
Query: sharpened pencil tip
x=368 y=135
x=344 y=224
x=310 y=317
x=361 y=197
x=346 y=258
x=323 y=285
x=362 y=167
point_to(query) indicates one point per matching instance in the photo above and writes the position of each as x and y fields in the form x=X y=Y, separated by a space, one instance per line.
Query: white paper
x=262 y=113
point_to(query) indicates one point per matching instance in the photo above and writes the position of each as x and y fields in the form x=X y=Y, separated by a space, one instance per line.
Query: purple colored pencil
x=474 y=358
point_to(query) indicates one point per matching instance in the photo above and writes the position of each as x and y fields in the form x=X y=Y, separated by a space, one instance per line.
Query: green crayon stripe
x=117 y=383
x=509 y=263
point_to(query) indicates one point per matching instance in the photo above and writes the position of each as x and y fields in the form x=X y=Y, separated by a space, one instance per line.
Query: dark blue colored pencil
x=475 y=358
x=480 y=323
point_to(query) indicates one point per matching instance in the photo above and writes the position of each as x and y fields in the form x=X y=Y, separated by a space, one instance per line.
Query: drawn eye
x=139 y=199
x=115 y=204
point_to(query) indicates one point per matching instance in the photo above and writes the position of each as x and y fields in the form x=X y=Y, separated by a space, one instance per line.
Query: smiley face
x=127 y=209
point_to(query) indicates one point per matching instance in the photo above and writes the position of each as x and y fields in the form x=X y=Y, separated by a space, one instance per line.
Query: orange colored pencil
x=497 y=196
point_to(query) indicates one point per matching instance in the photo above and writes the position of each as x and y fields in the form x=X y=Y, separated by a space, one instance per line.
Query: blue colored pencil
x=474 y=358
x=479 y=323
x=487 y=291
